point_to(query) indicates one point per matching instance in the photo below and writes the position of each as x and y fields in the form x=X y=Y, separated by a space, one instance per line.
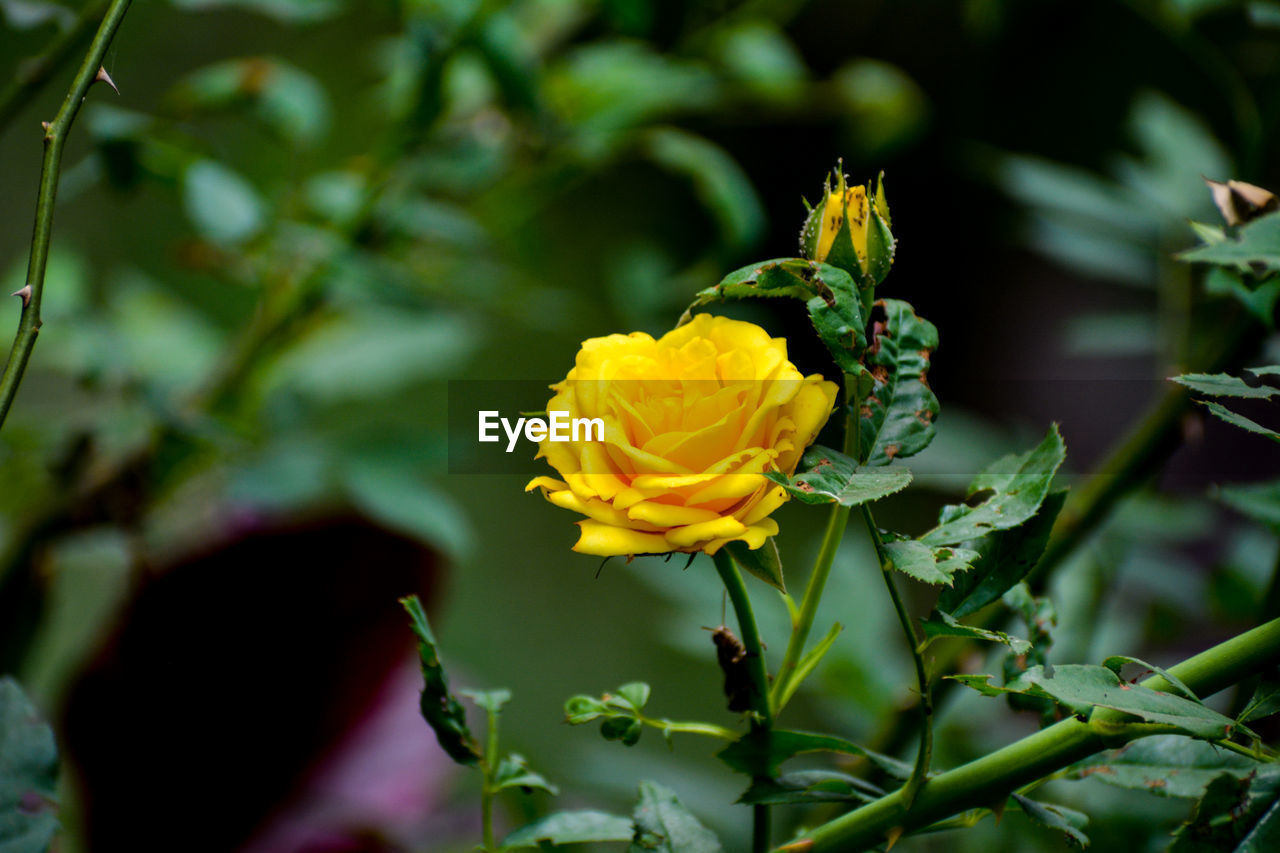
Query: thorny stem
x=986 y=781
x=920 y=772
x=35 y=71
x=55 y=137
x=737 y=590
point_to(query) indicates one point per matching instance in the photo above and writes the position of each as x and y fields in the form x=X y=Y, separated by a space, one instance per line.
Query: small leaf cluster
x=620 y=712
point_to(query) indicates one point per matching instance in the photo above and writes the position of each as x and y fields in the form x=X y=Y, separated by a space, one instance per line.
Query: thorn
x=601 y=569
x=892 y=837
x=45 y=126
x=802 y=846
x=998 y=809
x=25 y=294
x=104 y=77
x=689 y=562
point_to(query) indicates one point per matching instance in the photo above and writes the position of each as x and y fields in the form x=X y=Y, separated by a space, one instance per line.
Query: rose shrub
x=692 y=421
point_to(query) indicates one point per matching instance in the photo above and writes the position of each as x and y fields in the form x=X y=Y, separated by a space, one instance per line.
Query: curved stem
x=737 y=590
x=688 y=728
x=920 y=772
x=55 y=137
x=988 y=780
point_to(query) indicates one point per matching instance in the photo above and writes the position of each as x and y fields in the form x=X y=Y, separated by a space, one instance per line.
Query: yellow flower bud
x=691 y=423
x=845 y=202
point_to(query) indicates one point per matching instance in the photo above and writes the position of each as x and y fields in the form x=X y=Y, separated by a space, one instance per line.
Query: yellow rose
x=691 y=422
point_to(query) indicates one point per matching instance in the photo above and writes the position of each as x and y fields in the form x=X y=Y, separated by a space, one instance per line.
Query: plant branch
x=737 y=590
x=986 y=781
x=34 y=72
x=920 y=771
x=55 y=137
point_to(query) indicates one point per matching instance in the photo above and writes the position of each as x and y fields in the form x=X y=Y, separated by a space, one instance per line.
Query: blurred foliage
x=301 y=218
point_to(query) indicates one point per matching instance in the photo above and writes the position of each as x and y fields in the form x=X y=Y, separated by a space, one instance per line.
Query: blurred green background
x=301 y=219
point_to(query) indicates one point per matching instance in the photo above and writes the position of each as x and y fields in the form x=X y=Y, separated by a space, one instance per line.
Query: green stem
x=55 y=137
x=34 y=72
x=737 y=590
x=689 y=728
x=920 y=772
x=489 y=766
x=988 y=780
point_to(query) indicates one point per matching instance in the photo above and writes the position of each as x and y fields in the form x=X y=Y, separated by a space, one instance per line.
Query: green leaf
x=1081 y=688
x=828 y=476
x=1065 y=820
x=942 y=624
x=440 y=708
x=1005 y=557
x=808 y=662
x=583 y=709
x=570 y=827
x=1240 y=420
x=1255 y=247
x=1004 y=495
x=763 y=562
x=1260 y=502
x=761 y=752
x=284 y=11
x=1116 y=663
x=1224 y=385
x=810 y=786
x=222 y=205
x=1265 y=700
x=636 y=693
x=625 y=729
x=1167 y=765
x=514 y=772
x=829 y=295
x=1260 y=299
x=663 y=825
x=1235 y=816
x=28 y=774
x=929 y=564
x=897 y=415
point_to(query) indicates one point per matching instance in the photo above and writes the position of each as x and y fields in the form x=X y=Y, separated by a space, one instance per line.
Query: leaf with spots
x=897 y=413
x=828 y=293
x=927 y=563
x=1166 y=765
x=1006 y=494
x=1239 y=815
x=828 y=476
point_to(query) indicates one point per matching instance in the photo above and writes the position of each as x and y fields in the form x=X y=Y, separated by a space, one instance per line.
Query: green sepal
x=897 y=413
x=828 y=476
x=881 y=248
x=829 y=295
x=764 y=562
x=440 y=708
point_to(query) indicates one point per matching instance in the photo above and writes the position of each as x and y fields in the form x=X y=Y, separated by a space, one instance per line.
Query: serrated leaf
x=828 y=476
x=1116 y=663
x=1082 y=687
x=896 y=416
x=1065 y=820
x=1255 y=246
x=929 y=564
x=28 y=774
x=440 y=708
x=810 y=786
x=760 y=752
x=829 y=295
x=942 y=624
x=1241 y=421
x=514 y=772
x=1167 y=765
x=664 y=825
x=1004 y=558
x=1225 y=385
x=1235 y=816
x=1260 y=502
x=571 y=827
x=1004 y=495
x=1264 y=702
x=764 y=562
